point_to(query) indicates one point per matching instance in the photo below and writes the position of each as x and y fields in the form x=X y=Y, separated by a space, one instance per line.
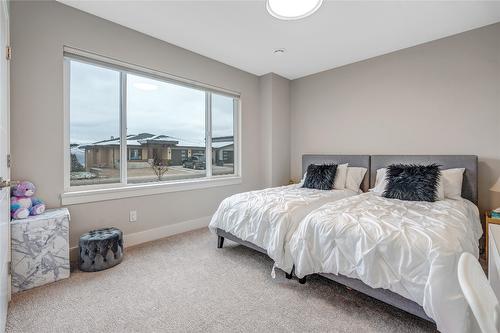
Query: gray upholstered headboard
x=469 y=162
x=353 y=160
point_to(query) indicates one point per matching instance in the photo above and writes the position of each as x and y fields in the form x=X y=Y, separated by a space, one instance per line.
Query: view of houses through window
x=94 y=118
x=165 y=126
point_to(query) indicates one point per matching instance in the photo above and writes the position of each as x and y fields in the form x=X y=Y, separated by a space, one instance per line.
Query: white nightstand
x=494 y=258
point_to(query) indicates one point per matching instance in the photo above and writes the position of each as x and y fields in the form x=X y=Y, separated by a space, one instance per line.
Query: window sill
x=85 y=196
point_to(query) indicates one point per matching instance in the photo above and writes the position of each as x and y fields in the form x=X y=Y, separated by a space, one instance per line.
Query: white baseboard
x=149 y=235
x=165 y=231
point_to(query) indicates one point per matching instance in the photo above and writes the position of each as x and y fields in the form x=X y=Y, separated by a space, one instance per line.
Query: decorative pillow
x=355 y=177
x=412 y=182
x=320 y=177
x=340 y=177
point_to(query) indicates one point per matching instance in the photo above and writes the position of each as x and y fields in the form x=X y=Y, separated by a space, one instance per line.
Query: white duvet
x=269 y=217
x=411 y=248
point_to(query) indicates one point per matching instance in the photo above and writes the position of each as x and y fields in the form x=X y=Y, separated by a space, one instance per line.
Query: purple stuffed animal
x=22 y=202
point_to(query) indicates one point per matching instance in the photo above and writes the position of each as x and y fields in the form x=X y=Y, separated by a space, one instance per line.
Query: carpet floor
x=185 y=284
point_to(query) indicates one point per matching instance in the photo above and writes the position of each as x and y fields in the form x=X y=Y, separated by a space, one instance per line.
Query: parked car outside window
x=195 y=162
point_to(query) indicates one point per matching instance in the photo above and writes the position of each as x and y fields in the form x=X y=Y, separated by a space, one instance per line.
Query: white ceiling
x=242 y=33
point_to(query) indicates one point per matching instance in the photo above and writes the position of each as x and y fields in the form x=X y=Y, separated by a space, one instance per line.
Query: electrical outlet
x=133 y=216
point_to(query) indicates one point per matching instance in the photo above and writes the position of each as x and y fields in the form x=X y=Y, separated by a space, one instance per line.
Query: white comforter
x=268 y=218
x=411 y=248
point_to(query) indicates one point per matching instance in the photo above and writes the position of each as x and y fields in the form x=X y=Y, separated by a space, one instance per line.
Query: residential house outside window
x=168 y=131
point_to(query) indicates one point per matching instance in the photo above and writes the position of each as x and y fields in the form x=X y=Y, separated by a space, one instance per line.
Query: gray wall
x=441 y=97
x=266 y=105
x=281 y=131
x=275 y=107
x=39 y=31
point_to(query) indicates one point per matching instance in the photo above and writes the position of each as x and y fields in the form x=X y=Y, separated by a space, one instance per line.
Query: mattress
x=269 y=217
x=411 y=248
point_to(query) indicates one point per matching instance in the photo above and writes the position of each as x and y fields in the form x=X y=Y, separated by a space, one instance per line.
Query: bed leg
x=220 y=242
x=303 y=280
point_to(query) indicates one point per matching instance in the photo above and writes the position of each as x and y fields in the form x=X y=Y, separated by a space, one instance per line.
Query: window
x=95 y=124
x=223 y=115
x=129 y=127
x=135 y=154
x=164 y=119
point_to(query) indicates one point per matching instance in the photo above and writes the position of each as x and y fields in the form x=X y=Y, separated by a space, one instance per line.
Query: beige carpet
x=185 y=284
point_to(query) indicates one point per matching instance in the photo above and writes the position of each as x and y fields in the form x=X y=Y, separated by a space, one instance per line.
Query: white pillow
x=354 y=178
x=301 y=183
x=452 y=183
x=340 y=177
x=380 y=181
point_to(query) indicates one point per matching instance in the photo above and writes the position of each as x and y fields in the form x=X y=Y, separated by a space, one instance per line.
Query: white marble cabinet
x=40 y=249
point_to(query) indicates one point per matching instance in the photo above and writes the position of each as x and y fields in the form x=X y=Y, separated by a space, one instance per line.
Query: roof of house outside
x=141 y=139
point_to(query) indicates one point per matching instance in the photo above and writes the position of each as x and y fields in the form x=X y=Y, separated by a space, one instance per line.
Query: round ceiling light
x=292 y=9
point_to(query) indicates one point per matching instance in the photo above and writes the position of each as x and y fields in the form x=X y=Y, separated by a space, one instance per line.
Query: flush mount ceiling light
x=292 y=9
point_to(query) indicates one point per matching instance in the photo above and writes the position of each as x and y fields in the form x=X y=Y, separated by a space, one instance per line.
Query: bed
x=404 y=253
x=265 y=220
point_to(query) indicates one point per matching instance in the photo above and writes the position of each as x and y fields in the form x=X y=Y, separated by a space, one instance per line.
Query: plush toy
x=22 y=202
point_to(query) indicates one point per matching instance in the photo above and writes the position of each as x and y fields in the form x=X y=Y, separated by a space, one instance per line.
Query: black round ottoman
x=101 y=249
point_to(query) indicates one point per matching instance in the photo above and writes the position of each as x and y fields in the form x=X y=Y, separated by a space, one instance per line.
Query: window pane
x=223 y=153
x=165 y=131
x=94 y=124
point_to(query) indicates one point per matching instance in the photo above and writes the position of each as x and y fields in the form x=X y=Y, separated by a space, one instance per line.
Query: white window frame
x=99 y=192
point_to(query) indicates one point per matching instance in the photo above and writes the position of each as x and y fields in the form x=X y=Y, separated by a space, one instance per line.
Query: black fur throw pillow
x=412 y=182
x=320 y=177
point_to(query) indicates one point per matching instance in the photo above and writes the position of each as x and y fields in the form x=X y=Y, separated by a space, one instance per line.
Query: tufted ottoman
x=101 y=249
